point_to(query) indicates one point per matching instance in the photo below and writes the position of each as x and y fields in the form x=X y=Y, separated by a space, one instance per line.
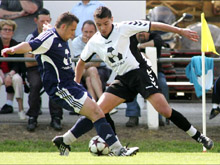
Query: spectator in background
x=10 y=72
x=96 y=74
x=215 y=99
x=34 y=79
x=84 y=11
x=22 y=12
x=133 y=111
x=148 y=40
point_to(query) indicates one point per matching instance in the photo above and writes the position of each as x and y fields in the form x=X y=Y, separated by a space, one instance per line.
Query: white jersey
x=116 y=50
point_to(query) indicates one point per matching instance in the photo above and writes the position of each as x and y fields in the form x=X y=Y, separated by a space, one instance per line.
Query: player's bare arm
x=79 y=70
x=192 y=35
x=21 y=48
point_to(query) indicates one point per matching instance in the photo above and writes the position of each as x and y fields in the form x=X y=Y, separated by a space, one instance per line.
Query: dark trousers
x=34 y=99
x=216 y=92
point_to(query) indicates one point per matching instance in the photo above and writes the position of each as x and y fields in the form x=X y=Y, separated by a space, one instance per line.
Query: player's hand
x=192 y=35
x=46 y=26
x=7 y=51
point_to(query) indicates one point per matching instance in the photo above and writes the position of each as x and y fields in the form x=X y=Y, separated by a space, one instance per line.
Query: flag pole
x=203 y=97
x=203 y=84
x=207 y=45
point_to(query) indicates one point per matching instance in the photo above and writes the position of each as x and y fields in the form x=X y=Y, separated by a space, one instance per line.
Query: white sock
x=68 y=138
x=192 y=131
x=9 y=102
x=115 y=148
x=214 y=106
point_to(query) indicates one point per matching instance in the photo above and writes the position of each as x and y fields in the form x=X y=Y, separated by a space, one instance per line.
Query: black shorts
x=127 y=86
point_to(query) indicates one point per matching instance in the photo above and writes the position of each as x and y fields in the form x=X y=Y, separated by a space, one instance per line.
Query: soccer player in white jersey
x=54 y=61
x=116 y=45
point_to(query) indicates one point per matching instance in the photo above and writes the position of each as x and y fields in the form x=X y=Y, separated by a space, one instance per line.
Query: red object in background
x=4 y=65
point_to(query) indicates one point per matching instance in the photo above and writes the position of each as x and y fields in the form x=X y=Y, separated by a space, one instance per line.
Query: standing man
x=22 y=12
x=54 y=60
x=116 y=44
x=84 y=11
x=34 y=79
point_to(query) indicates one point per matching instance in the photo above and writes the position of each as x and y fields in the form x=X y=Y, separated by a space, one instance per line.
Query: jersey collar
x=109 y=33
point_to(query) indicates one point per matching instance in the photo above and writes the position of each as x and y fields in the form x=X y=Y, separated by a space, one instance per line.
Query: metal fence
x=160 y=60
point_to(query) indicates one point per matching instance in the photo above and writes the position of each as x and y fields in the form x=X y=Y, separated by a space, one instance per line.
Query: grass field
x=151 y=152
x=87 y=158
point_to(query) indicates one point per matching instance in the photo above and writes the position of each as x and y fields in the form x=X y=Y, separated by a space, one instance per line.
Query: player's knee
x=166 y=112
x=97 y=114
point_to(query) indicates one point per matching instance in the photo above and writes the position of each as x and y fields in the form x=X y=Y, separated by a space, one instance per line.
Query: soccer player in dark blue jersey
x=53 y=56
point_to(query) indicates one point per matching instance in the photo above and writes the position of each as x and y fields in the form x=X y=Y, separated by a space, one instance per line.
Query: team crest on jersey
x=113 y=55
x=66 y=60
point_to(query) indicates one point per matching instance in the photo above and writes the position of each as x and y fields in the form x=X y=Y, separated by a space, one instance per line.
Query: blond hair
x=9 y=23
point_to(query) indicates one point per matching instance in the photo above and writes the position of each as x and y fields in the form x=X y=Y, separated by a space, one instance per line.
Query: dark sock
x=105 y=131
x=179 y=120
x=196 y=136
x=82 y=126
x=110 y=121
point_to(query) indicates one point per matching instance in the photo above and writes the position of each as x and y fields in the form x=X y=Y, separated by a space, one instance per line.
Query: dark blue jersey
x=54 y=60
x=32 y=35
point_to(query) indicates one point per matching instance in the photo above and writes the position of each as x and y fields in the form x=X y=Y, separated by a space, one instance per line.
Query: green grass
x=151 y=152
x=87 y=158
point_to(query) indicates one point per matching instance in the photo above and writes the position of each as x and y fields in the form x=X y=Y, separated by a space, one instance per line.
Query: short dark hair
x=42 y=12
x=90 y=22
x=66 y=18
x=103 y=12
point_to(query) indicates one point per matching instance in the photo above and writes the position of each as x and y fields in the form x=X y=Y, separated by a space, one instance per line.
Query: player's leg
x=103 y=130
x=106 y=102
x=178 y=119
x=83 y=124
x=90 y=109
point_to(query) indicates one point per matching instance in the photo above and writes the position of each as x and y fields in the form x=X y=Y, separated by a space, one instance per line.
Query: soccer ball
x=98 y=147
